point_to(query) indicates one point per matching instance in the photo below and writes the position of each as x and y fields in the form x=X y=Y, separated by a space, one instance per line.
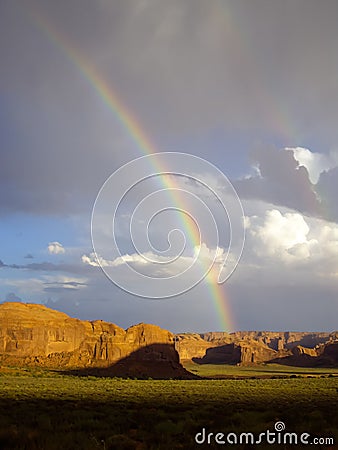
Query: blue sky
x=250 y=87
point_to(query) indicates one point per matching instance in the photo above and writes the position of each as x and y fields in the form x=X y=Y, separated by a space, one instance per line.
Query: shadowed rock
x=158 y=361
x=243 y=352
x=254 y=347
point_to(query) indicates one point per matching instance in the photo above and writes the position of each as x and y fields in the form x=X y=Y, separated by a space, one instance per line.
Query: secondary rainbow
x=273 y=106
x=135 y=131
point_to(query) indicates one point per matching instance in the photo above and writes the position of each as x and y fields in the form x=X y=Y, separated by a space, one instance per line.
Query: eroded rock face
x=243 y=352
x=191 y=345
x=299 y=350
x=222 y=354
x=35 y=334
x=328 y=352
x=30 y=330
x=254 y=352
x=254 y=347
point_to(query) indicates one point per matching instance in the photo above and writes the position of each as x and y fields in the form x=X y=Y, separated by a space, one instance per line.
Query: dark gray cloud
x=280 y=181
x=67 y=283
x=207 y=77
x=64 y=284
x=327 y=188
x=183 y=69
x=51 y=267
x=59 y=287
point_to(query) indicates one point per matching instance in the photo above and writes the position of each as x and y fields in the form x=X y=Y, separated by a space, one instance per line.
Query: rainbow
x=276 y=108
x=136 y=132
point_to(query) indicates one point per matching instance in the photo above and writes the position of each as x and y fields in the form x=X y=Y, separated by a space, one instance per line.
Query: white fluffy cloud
x=96 y=261
x=162 y=265
x=276 y=234
x=55 y=248
x=291 y=238
x=315 y=163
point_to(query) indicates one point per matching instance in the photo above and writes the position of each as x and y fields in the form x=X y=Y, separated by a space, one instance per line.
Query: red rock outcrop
x=190 y=345
x=253 y=347
x=254 y=352
x=328 y=353
x=299 y=350
x=243 y=352
x=33 y=334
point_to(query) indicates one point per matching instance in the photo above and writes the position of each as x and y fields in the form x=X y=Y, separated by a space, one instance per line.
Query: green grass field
x=262 y=371
x=46 y=410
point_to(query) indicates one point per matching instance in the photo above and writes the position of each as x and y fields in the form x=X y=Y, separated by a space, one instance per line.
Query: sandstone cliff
x=33 y=334
x=252 y=347
x=328 y=352
x=191 y=345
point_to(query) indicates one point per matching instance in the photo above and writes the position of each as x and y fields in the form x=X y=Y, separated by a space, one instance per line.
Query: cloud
x=55 y=248
x=277 y=234
x=63 y=284
x=45 y=266
x=315 y=163
x=93 y=260
x=67 y=284
x=154 y=265
x=327 y=188
x=294 y=242
x=211 y=85
x=29 y=256
x=35 y=288
x=279 y=180
x=203 y=69
x=294 y=178
x=29 y=288
x=148 y=258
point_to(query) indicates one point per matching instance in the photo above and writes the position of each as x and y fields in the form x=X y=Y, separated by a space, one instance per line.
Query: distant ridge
x=33 y=334
x=254 y=347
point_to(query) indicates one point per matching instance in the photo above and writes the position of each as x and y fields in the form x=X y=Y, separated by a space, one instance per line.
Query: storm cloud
x=250 y=86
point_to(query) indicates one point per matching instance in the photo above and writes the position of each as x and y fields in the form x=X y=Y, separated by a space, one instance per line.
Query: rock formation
x=190 y=345
x=253 y=347
x=33 y=334
x=328 y=352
